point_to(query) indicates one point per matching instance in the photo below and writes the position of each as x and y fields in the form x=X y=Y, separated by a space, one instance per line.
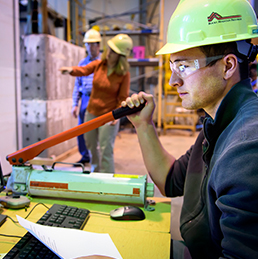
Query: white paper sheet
x=72 y=243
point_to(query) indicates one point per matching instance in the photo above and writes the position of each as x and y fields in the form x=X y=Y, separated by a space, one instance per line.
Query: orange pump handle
x=23 y=155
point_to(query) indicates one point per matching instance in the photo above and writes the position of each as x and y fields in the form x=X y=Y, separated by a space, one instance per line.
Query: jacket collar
x=238 y=95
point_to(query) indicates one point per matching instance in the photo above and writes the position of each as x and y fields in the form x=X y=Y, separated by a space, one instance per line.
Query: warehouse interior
x=40 y=36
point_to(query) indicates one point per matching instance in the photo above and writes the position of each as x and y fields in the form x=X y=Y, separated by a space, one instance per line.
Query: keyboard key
x=58 y=215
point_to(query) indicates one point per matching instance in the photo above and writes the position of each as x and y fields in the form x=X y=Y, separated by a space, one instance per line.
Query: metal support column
x=161 y=33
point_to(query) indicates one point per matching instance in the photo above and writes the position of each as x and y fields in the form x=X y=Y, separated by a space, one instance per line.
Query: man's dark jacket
x=218 y=177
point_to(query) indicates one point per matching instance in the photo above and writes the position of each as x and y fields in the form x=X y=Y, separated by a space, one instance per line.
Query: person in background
x=210 y=51
x=110 y=86
x=253 y=77
x=82 y=88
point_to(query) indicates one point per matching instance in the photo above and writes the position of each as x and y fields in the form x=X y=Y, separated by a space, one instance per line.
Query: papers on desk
x=72 y=243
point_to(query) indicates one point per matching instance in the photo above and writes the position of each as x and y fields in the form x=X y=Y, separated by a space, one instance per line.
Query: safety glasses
x=185 y=68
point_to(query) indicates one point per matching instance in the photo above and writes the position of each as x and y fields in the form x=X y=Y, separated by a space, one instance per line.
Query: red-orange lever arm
x=23 y=155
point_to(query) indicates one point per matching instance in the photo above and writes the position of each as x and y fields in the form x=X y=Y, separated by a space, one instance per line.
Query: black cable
x=10 y=236
x=14 y=221
x=40 y=203
x=100 y=213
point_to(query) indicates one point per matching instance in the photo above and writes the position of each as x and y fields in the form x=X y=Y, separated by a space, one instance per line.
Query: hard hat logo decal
x=223 y=21
x=220 y=18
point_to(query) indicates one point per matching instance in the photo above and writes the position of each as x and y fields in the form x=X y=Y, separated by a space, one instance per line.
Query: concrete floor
x=128 y=160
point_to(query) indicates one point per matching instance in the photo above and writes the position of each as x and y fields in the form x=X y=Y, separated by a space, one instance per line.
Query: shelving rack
x=151 y=21
x=147 y=70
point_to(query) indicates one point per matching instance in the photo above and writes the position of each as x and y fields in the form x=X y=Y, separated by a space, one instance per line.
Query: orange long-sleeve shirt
x=107 y=91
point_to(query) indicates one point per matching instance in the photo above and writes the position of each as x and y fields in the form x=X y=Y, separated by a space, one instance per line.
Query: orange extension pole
x=23 y=155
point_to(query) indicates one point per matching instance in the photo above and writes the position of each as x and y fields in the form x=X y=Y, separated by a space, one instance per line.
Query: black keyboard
x=63 y=216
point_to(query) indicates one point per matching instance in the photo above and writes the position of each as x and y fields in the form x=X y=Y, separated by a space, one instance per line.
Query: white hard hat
x=92 y=36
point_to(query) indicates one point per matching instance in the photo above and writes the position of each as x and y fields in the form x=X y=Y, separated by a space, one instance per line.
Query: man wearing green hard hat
x=209 y=42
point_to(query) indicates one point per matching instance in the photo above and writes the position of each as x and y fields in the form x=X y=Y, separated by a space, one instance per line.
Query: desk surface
x=149 y=238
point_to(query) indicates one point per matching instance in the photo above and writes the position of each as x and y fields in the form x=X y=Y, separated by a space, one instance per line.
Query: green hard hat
x=204 y=22
x=122 y=44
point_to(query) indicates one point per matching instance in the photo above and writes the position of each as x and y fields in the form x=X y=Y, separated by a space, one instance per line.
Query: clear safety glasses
x=185 y=68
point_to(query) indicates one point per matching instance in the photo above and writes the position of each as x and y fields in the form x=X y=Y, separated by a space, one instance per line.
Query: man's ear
x=230 y=65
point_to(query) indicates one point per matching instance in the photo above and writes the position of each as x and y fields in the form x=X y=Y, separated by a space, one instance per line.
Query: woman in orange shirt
x=110 y=86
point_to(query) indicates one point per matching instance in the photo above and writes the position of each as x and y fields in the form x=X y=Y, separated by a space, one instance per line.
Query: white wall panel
x=9 y=80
